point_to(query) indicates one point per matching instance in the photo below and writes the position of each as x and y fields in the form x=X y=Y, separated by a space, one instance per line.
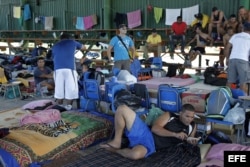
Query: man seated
x=167 y=131
x=231 y=22
x=178 y=31
x=200 y=19
x=43 y=75
x=153 y=44
x=243 y=17
x=201 y=42
x=216 y=21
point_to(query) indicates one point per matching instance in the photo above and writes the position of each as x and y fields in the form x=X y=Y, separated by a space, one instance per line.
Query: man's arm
x=227 y=51
x=110 y=47
x=158 y=128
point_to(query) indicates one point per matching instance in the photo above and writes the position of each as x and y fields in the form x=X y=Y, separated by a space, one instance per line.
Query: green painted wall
x=64 y=11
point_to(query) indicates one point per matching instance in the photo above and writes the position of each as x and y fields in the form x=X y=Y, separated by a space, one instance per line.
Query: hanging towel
x=94 y=19
x=134 y=19
x=171 y=16
x=26 y=12
x=157 y=14
x=17 y=12
x=48 y=23
x=79 y=23
x=88 y=22
x=188 y=14
x=120 y=18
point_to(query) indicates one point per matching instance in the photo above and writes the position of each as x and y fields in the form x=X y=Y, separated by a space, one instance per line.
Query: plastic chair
x=157 y=63
x=140 y=90
x=139 y=72
x=111 y=88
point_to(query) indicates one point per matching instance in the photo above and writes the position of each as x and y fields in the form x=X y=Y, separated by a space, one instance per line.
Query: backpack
x=219 y=103
x=216 y=137
x=169 y=98
x=87 y=104
x=211 y=77
x=99 y=76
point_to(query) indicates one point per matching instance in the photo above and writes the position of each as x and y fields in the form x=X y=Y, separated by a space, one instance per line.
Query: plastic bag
x=153 y=114
x=236 y=115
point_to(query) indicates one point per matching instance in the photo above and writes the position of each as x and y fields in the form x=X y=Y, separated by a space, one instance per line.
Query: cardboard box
x=196 y=97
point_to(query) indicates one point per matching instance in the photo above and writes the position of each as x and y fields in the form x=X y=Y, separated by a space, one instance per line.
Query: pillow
x=204 y=148
x=217 y=150
x=38 y=103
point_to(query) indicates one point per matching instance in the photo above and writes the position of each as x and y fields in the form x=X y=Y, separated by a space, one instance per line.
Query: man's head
x=122 y=28
x=242 y=11
x=198 y=28
x=40 y=62
x=187 y=114
x=232 y=18
x=179 y=19
x=198 y=16
x=214 y=9
x=64 y=35
x=154 y=32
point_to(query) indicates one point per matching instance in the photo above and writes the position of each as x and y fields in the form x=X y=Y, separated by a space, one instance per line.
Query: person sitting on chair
x=216 y=21
x=201 y=41
x=153 y=44
x=178 y=31
x=200 y=19
x=43 y=75
x=167 y=131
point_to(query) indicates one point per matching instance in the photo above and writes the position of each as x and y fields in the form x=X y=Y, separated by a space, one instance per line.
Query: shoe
x=68 y=107
x=218 y=39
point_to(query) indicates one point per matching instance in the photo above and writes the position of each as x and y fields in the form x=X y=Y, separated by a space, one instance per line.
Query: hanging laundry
x=88 y=22
x=48 y=23
x=134 y=19
x=17 y=12
x=157 y=14
x=188 y=13
x=26 y=12
x=171 y=15
x=120 y=18
x=79 y=23
x=94 y=19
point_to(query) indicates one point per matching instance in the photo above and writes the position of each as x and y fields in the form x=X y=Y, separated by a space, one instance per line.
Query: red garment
x=179 y=28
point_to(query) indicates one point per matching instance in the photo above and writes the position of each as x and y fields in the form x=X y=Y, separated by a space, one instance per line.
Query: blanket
x=27 y=145
x=183 y=155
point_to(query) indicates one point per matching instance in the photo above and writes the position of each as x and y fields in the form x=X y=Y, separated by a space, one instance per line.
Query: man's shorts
x=200 y=49
x=140 y=134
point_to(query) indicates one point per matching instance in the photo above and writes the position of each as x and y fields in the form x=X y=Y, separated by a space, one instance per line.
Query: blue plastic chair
x=139 y=72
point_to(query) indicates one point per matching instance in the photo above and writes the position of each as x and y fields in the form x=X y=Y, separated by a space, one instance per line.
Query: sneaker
x=218 y=39
x=68 y=107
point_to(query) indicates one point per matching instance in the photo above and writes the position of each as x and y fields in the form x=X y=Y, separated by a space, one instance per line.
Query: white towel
x=188 y=14
x=17 y=12
x=171 y=16
x=48 y=23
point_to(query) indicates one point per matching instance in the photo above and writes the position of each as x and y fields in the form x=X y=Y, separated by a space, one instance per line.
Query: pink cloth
x=45 y=116
x=88 y=22
x=134 y=19
x=155 y=82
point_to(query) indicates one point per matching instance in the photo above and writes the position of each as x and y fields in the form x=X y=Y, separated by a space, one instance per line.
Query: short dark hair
x=64 y=35
x=232 y=16
x=179 y=17
x=214 y=8
x=188 y=107
x=40 y=58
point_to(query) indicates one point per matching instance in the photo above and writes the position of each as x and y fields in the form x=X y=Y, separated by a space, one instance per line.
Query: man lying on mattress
x=166 y=132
